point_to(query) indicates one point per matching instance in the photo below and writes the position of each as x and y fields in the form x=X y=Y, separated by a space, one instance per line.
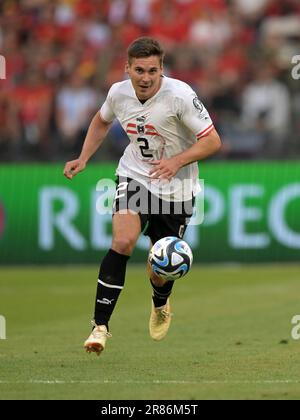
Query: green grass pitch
x=230 y=336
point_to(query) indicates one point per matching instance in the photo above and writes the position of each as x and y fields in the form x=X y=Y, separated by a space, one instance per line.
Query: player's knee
x=123 y=245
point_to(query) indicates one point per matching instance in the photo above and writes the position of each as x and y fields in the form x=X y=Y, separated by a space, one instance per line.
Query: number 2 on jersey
x=144 y=147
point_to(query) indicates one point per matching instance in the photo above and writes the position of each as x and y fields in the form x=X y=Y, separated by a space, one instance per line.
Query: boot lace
x=98 y=334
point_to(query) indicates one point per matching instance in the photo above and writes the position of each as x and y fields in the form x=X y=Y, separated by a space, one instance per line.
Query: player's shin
x=110 y=284
x=161 y=294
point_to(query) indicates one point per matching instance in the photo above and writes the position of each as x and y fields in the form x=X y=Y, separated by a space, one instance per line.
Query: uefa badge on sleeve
x=198 y=104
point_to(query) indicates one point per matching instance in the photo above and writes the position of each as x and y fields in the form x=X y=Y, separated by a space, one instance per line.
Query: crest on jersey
x=140 y=129
x=198 y=104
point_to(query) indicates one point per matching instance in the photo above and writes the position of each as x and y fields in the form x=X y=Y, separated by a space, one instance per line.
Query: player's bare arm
x=94 y=138
x=204 y=148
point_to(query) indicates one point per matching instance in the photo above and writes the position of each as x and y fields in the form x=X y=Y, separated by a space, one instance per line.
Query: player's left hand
x=164 y=168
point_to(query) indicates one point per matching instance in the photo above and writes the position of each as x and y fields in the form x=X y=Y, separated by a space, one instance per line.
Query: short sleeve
x=193 y=114
x=106 y=111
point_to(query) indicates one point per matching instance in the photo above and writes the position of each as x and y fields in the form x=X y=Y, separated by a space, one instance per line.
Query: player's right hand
x=73 y=167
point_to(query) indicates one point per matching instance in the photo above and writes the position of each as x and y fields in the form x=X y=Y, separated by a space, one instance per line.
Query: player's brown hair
x=145 y=47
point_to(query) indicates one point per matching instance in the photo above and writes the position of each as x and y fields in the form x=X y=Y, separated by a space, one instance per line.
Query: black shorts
x=159 y=218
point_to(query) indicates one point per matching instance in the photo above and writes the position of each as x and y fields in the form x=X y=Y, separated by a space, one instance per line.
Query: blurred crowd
x=63 y=55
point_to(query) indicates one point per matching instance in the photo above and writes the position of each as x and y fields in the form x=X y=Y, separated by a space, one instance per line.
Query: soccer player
x=170 y=131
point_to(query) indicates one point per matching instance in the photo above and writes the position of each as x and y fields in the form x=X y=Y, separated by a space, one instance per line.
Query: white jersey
x=164 y=126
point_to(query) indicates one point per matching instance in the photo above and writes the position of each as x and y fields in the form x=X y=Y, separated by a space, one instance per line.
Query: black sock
x=161 y=294
x=110 y=284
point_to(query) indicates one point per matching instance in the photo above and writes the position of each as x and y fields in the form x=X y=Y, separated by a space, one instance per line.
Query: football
x=171 y=258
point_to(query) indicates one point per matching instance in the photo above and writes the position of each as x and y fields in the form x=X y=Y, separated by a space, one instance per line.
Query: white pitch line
x=154 y=382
